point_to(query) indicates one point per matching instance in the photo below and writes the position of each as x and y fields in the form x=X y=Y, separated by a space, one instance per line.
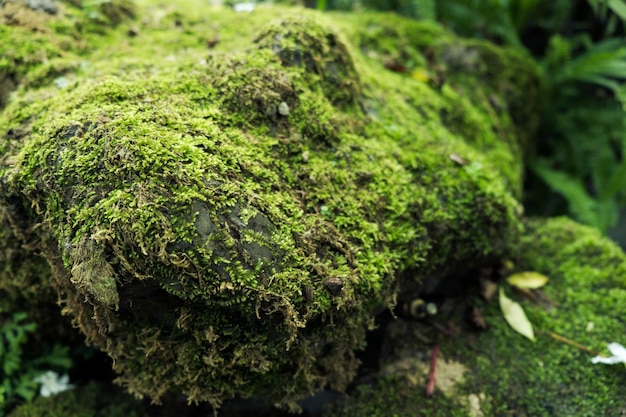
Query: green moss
x=221 y=222
x=41 y=43
x=507 y=100
x=21 y=50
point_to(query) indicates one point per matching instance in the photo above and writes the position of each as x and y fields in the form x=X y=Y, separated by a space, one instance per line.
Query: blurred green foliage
x=578 y=166
x=19 y=366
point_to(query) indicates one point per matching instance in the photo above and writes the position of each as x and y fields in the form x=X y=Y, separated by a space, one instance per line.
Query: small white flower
x=52 y=383
x=244 y=7
x=619 y=355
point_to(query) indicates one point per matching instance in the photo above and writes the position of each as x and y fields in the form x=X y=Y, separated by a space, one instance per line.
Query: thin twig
x=441 y=328
x=571 y=343
x=430 y=387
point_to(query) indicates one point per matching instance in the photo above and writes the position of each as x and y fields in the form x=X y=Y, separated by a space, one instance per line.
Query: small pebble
x=334 y=285
x=61 y=82
x=48 y=6
x=283 y=109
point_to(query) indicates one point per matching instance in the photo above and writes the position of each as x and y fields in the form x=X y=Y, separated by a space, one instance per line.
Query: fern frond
x=521 y=12
x=603 y=64
x=425 y=9
x=558 y=53
x=618 y=7
x=616 y=183
x=581 y=204
x=480 y=19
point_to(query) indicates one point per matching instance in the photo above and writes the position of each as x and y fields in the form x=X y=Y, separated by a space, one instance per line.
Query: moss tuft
x=319 y=53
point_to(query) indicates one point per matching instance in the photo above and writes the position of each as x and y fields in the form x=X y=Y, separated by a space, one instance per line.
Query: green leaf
x=58 y=357
x=516 y=317
x=26 y=389
x=11 y=364
x=527 y=280
x=620 y=94
x=581 y=204
x=618 y=7
x=603 y=64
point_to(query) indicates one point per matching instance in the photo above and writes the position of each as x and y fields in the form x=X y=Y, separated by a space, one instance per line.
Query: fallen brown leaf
x=458 y=159
x=477 y=318
x=488 y=288
x=210 y=43
x=396 y=66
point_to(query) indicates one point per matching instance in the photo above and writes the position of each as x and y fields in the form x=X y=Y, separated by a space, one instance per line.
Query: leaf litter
x=515 y=316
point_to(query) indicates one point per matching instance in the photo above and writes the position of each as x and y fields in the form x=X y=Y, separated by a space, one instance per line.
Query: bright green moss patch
x=424 y=53
x=20 y=50
x=41 y=42
x=223 y=218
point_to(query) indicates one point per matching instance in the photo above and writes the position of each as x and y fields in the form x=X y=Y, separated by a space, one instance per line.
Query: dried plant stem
x=430 y=386
x=571 y=343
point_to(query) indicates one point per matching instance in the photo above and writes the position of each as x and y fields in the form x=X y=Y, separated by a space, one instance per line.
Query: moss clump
x=321 y=56
x=508 y=98
x=42 y=41
x=222 y=225
x=503 y=373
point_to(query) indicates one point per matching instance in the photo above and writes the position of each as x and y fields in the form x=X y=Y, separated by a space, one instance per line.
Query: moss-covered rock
x=497 y=372
x=227 y=221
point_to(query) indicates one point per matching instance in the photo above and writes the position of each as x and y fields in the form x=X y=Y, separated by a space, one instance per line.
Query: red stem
x=430 y=387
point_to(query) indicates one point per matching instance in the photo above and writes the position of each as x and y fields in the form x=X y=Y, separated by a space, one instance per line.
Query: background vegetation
x=21 y=365
x=577 y=166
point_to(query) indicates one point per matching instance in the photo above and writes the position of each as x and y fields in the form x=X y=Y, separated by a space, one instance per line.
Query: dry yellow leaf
x=515 y=316
x=420 y=75
x=527 y=280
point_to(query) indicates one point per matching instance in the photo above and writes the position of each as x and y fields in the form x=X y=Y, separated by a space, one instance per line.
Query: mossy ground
x=506 y=373
x=227 y=200
x=92 y=400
